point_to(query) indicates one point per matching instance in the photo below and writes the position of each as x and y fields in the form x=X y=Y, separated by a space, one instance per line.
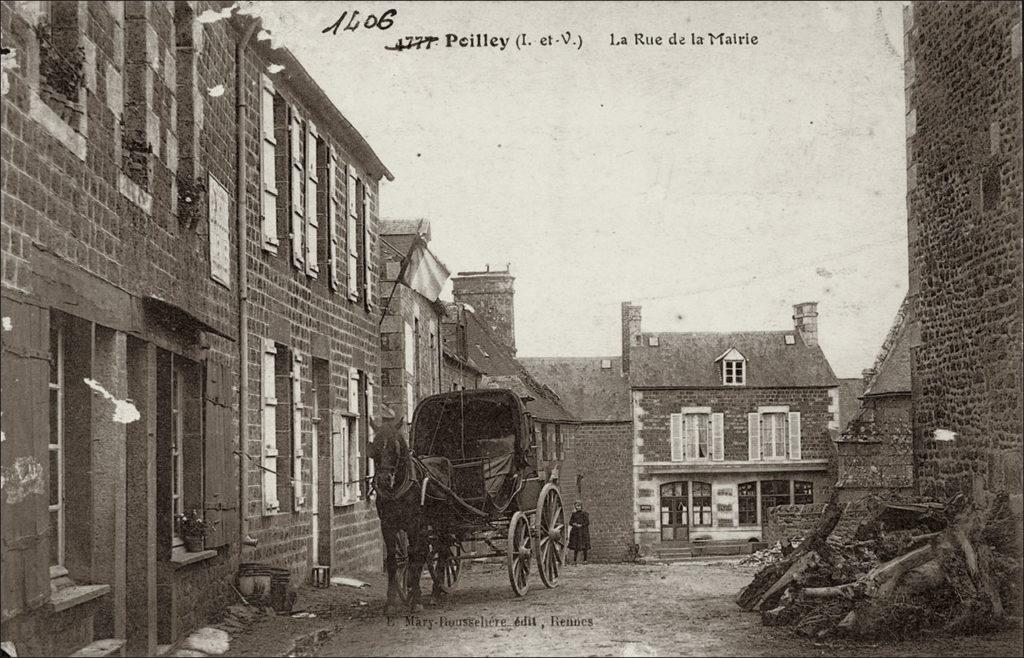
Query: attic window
x=606 y=364
x=734 y=373
x=790 y=339
x=652 y=341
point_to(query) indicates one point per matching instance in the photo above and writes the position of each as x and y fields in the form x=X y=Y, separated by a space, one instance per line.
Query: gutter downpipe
x=241 y=209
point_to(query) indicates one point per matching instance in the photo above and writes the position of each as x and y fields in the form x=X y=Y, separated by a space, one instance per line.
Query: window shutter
x=333 y=254
x=367 y=250
x=220 y=495
x=794 y=435
x=718 y=437
x=676 y=431
x=352 y=248
x=754 y=437
x=410 y=402
x=25 y=396
x=312 y=221
x=339 y=448
x=270 y=502
x=353 y=391
x=298 y=179
x=297 y=454
x=410 y=349
x=268 y=169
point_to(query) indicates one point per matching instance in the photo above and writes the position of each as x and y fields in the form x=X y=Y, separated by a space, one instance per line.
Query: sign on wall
x=725 y=497
x=220 y=247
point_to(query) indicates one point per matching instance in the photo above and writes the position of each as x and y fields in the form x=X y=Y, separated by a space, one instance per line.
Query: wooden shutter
x=220 y=486
x=312 y=221
x=717 y=437
x=353 y=391
x=268 y=169
x=269 y=470
x=676 y=432
x=794 y=435
x=351 y=238
x=339 y=460
x=25 y=397
x=368 y=253
x=754 y=437
x=297 y=454
x=298 y=185
x=333 y=252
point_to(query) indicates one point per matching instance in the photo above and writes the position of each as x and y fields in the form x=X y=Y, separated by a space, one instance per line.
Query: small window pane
x=55 y=557
x=54 y=477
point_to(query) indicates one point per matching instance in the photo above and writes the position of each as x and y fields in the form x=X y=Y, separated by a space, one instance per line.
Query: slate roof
x=502 y=370
x=586 y=389
x=893 y=373
x=405 y=227
x=687 y=360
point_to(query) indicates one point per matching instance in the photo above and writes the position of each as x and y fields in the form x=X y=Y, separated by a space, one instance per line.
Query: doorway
x=675 y=511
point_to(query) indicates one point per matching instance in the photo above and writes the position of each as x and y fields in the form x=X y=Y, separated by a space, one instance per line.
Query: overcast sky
x=714 y=185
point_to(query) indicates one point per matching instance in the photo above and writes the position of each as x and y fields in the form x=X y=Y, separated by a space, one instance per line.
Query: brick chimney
x=630 y=331
x=490 y=293
x=805 y=321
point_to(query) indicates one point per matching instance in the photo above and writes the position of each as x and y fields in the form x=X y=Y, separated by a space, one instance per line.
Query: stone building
x=965 y=228
x=124 y=291
x=458 y=371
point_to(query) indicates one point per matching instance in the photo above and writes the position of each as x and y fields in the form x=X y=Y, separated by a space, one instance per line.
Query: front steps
x=684 y=551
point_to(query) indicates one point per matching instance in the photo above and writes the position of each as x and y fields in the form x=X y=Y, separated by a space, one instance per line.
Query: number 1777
x=407 y=43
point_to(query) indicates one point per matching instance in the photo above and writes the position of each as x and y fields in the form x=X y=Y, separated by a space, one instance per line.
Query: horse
x=397 y=480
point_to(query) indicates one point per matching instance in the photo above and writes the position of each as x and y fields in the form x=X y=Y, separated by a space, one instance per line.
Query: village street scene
x=596 y=329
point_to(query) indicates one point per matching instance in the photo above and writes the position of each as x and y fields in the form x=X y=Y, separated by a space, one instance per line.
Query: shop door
x=675 y=511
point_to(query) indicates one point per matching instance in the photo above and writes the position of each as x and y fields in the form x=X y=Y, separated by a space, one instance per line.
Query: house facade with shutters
x=123 y=293
x=725 y=426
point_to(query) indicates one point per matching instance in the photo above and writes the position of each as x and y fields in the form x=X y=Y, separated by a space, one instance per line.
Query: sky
x=713 y=185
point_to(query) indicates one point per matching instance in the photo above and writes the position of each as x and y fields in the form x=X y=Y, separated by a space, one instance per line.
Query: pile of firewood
x=910 y=567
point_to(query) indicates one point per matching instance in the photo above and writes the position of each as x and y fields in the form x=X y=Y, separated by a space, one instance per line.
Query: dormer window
x=734 y=373
x=734 y=368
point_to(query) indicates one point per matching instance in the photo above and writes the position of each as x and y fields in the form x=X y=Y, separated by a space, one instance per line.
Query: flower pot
x=194 y=543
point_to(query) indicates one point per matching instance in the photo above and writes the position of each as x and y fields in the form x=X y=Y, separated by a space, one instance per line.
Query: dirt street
x=601 y=610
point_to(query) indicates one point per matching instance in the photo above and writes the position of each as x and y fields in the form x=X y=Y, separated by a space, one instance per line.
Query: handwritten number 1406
x=382 y=22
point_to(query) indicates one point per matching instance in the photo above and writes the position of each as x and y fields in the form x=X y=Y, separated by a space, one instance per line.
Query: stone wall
x=964 y=186
x=602 y=455
x=791 y=521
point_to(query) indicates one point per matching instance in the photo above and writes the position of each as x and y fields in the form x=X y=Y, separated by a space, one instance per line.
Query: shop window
x=803 y=492
x=773 y=492
x=748 y=503
x=701 y=503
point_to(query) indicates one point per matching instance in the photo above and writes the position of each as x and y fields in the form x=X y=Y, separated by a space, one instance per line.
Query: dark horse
x=397 y=480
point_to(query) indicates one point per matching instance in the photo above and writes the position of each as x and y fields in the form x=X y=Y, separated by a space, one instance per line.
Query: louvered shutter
x=339 y=450
x=353 y=391
x=312 y=221
x=676 y=437
x=268 y=168
x=794 y=435
x=754 y=437
x=297 y=454
x=219 y=491
x=270 y=501
x=718 y=437
x=351 y=239
x=333 y=253
x=368 y=252
x=298 y=186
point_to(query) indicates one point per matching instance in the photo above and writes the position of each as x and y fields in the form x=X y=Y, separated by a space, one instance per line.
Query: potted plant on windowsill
x=192 y=529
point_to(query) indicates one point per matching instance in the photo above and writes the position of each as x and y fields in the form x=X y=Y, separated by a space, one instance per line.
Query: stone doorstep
x=69 y=597
x=99 y=648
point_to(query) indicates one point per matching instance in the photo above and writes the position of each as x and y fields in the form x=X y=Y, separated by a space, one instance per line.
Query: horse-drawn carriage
x=473 y=468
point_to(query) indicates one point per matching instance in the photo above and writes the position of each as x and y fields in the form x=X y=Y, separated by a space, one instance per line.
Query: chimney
x=805 y=320
x=630 y=331
x=490 y=294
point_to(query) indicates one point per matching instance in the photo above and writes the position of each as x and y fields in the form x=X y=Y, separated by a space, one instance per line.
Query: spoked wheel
x=520 y=551
x=445 y=566
x=403 y=574
x=551 y=535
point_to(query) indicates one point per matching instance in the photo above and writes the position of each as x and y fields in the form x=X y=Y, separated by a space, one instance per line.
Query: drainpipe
x=241 y=209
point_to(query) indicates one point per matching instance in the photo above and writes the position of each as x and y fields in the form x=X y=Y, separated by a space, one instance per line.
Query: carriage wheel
x=551 y=538
x=445 y=565
x=403 y=575
x=520 y=550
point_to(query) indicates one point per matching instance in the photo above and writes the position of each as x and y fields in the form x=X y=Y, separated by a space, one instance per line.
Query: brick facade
x=964 y=191
x=597 y=471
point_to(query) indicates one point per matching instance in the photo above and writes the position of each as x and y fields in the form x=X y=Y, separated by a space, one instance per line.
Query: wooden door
x=675 y=511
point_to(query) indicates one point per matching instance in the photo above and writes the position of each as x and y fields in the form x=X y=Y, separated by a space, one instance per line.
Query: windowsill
x=76 y=595
x=180 y=557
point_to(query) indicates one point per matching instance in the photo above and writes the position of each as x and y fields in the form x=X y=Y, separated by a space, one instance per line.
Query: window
x=270 y=404
x=180 y=445
x=333 y=204
x=701 y=504
x=282 y=429
x=697 y=428
x=57 y=357
x=352 y=244
x=545 y=447
x=773 y=435
x=748 y=503
x=733 y=372
x=558 y=441
x=296 y=152
x=367 y=251
x=312 y=221
x=803 y=492
x=349 y=465
x=268 y=165
x=773 y=492
x=61 y=61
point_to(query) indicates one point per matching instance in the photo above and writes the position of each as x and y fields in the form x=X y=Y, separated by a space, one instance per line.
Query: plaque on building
x=220 y=247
